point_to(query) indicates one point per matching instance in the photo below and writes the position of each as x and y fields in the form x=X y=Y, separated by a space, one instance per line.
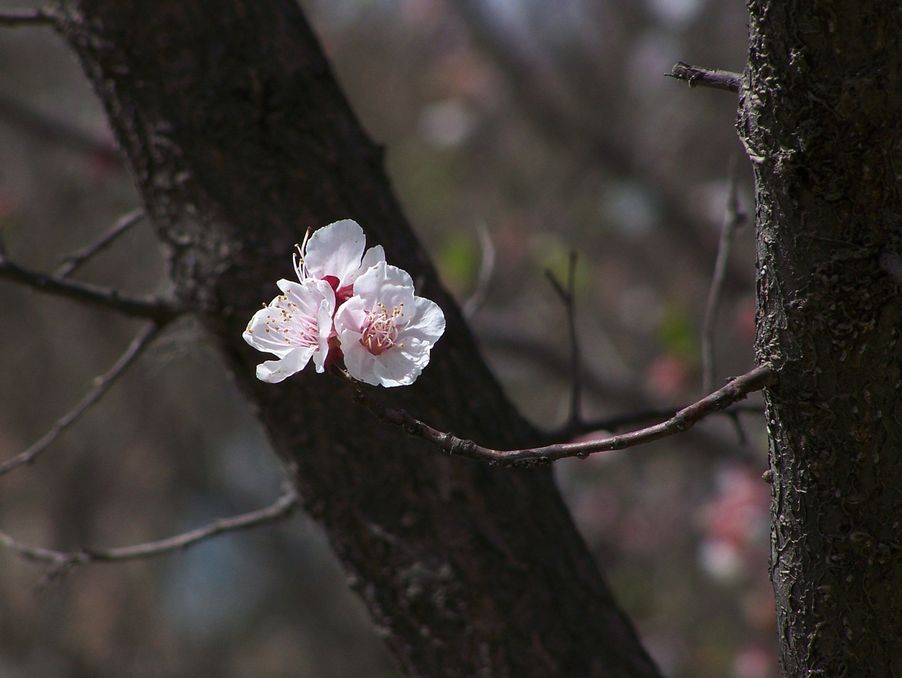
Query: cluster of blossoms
x=350 y=306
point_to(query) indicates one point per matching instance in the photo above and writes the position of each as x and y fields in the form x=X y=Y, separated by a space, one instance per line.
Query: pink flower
x=295 y=326
x=386 y=332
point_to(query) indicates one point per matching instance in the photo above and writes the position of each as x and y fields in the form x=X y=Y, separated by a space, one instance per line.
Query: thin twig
x=14 y=18
x=64 y=561
x=568 y=298
x=101 y=385
x=736 y=389
x=486 y=270
x=158 y=309
x=704 y=77
x=620 y=421
x=76 y=259
x=732 y=219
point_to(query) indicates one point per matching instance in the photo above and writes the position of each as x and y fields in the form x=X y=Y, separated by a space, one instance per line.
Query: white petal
x=324 y=320
x=394 y=368
x=359 y=362
x=373 y=284
x=428 y=322
x=335 y=250
x=274 y=371
x=260 y=335
x=351 y=315
x=374 y=255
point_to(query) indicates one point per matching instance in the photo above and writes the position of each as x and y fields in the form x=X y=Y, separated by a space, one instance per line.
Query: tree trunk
x=239 y=138
x=820 y=118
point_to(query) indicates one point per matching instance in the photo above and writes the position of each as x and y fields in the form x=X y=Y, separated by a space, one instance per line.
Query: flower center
x=297 y=327
x=381 y=331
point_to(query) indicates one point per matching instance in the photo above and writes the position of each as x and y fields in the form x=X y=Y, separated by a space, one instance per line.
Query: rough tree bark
x=239 y=138
x=821 y=118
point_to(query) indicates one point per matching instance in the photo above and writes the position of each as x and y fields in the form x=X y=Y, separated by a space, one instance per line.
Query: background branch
x=732 y=220
x=486 y=270
x=13 y=18
x=49 y=128
x=75 y=260
x=101 y=385
x=566 y=296
x=157 y=309
x=703 y=77
x=62 y=562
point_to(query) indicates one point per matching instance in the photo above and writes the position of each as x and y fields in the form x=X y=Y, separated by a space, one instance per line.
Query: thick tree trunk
x=239 y=139
x=821 y=119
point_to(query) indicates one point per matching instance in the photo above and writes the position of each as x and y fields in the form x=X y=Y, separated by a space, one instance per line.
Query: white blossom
x=335 y=253
x=295 y=326
x=385 y=331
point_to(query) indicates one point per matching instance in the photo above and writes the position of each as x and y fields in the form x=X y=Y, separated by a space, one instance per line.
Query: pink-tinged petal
x=324 y=319
x=351 y=315
x=260 y=334
x=380 y=280
x=275 y=371
x=374 y=255
x=428 y=322
x=359 y=362
x=335 y=250
x=396 y=369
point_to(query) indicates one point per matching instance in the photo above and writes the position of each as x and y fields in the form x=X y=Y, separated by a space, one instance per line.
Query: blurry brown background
x=547 y=125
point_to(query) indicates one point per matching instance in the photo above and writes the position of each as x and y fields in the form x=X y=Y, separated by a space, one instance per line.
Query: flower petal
x=373 y=284
x=374 y=255
x=428 y=322
x=395 y=368
x=359 y=362
x=335 y=250
x=274 y=371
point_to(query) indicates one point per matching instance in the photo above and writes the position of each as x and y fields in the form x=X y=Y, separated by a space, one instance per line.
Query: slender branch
x=620 y=421
x=732 y=220
x=486 y=270
x=76 y=259
x=736 y=389
x=49 y=128
x=703 y=77
x=64 y=561
x=157 y=309
x=101 y=385
x=567 y=297
x=14 y=18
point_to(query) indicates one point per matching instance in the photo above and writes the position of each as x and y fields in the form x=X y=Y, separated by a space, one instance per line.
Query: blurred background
x=516 y=130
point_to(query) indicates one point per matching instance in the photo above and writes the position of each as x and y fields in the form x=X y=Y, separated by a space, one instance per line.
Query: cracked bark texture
x=820 y=118
x=239 y=138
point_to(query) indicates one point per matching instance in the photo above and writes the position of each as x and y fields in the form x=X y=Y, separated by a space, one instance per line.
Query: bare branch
x=733 y=218
x=567 y=297
x=74 y=261
x=101 y=385
x=64 y=561
x=49 y=128
x=14 y=18
x=703 y=77
x=157 y=309
x=486 y=270
x=736 y=389
x=620 y=421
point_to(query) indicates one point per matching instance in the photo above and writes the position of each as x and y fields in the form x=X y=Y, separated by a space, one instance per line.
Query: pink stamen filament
x=381 y=332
